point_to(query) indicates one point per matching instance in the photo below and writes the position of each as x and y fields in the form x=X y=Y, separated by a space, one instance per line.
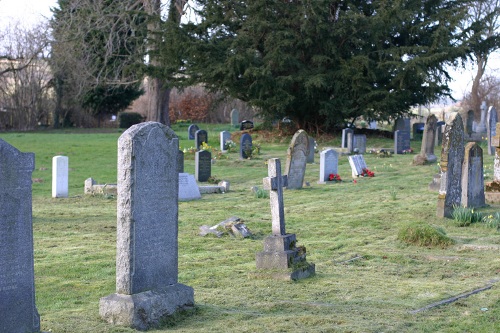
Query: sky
x=32 y=11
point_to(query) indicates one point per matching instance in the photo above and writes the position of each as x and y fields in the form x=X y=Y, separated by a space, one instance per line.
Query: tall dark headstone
x=296 y=160
x=192 y=131
x=180 y=161
x=492 y=120
x=246 y=146
x=18 y=313
x=147 y=288
x=472 y=176
x=452 y=156
x=200 y=137
x=202 y=165
x=359 y=143
x=401 y=141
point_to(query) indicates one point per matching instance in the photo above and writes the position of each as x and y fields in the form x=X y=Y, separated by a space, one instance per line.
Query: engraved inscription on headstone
x=203 y=165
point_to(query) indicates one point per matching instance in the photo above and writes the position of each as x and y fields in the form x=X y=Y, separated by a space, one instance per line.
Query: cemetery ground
x=74 y=244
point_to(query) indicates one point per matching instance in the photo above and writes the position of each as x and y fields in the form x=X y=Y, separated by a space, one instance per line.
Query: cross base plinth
x=282 y=259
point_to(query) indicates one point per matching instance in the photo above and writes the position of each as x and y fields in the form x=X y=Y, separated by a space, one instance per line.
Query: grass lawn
x=75 y=245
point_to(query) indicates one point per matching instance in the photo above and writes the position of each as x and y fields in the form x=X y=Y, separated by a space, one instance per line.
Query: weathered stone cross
x=275 y=183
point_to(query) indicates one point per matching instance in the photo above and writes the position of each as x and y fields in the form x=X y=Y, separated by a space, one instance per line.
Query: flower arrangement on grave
x=367 y=173
x=229 y=145
x=333 y=177
x=408 y=151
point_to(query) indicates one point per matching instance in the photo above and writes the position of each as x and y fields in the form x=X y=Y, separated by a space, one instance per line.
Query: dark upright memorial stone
x=401 y=141
x=192 y=131
x=246 y=146
x=246 y=125
x=202 y=165
x=200 y=137
x=18 y=313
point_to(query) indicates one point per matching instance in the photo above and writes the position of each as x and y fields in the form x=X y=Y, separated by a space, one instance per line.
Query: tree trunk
x=159 y=97
x=475 y=98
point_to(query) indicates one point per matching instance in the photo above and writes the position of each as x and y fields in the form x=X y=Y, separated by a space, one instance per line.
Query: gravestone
x=345 y=131
x=426 y=155
x=472 y=176
x=350 y=142
x=192 y=131
x=491 y=130
x=245 y=146
x=180 y=161
x=60 y=177
x=417 y=130
x=200 y=137
x=246 y=125
x=402 y=124
x=235 y=117
x=359 y=143
x=452 y=156
x=328 y=164
x=310 y=155
x=358 y=164
x=188 y=189
x=202 y=165
x=147 y=288
x=481 y=127
x=281 y=258
x=18 y=313
x=224 y=136
x=492 y=189
x=470 y=121
x=439 y=133
x=295 y=167
x=401 y=142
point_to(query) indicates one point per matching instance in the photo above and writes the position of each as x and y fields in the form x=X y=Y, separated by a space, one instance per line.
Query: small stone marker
x=426 y=155
x=281 y=257
x=91 y=187
x=345 y=132
x=192 y=131
x=328 y=164
x=224 y=136
x=60 y=177
x=472 y=176
x=401 y=141
x=188 y=189
x=199 y=137
x=312 y=145
x=452 y=156
x=357 y=163
x=147 y=288
x=246 y=125
x=296 y=160
x=359 y=143
x=492 y=126
x=246 y=146
x=235 y=117
x=18 y=313
x=202 y=165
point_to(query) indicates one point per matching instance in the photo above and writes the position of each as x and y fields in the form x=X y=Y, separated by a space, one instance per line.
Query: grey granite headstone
x=492 y=125
x=401 y=141
x=224 y=136
x=147 y=288
x=180 y=161
x=345 y=131
x=235 y=117
x=357 y=163
x=310 y=155
x=350 y=142
x=202 y=165
x=426 y=155
x=295 y=167
x=359 y=143
x=328 y=164
x=192 y=131
x=246 y=146
x=18 y=313
x=188 y=189
x=472 y=176
x=199 y=137
x=282 y=258
x=452 y=156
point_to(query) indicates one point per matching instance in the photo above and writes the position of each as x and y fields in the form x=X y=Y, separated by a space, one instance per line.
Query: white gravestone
x=328 y=164
x=60 y=177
